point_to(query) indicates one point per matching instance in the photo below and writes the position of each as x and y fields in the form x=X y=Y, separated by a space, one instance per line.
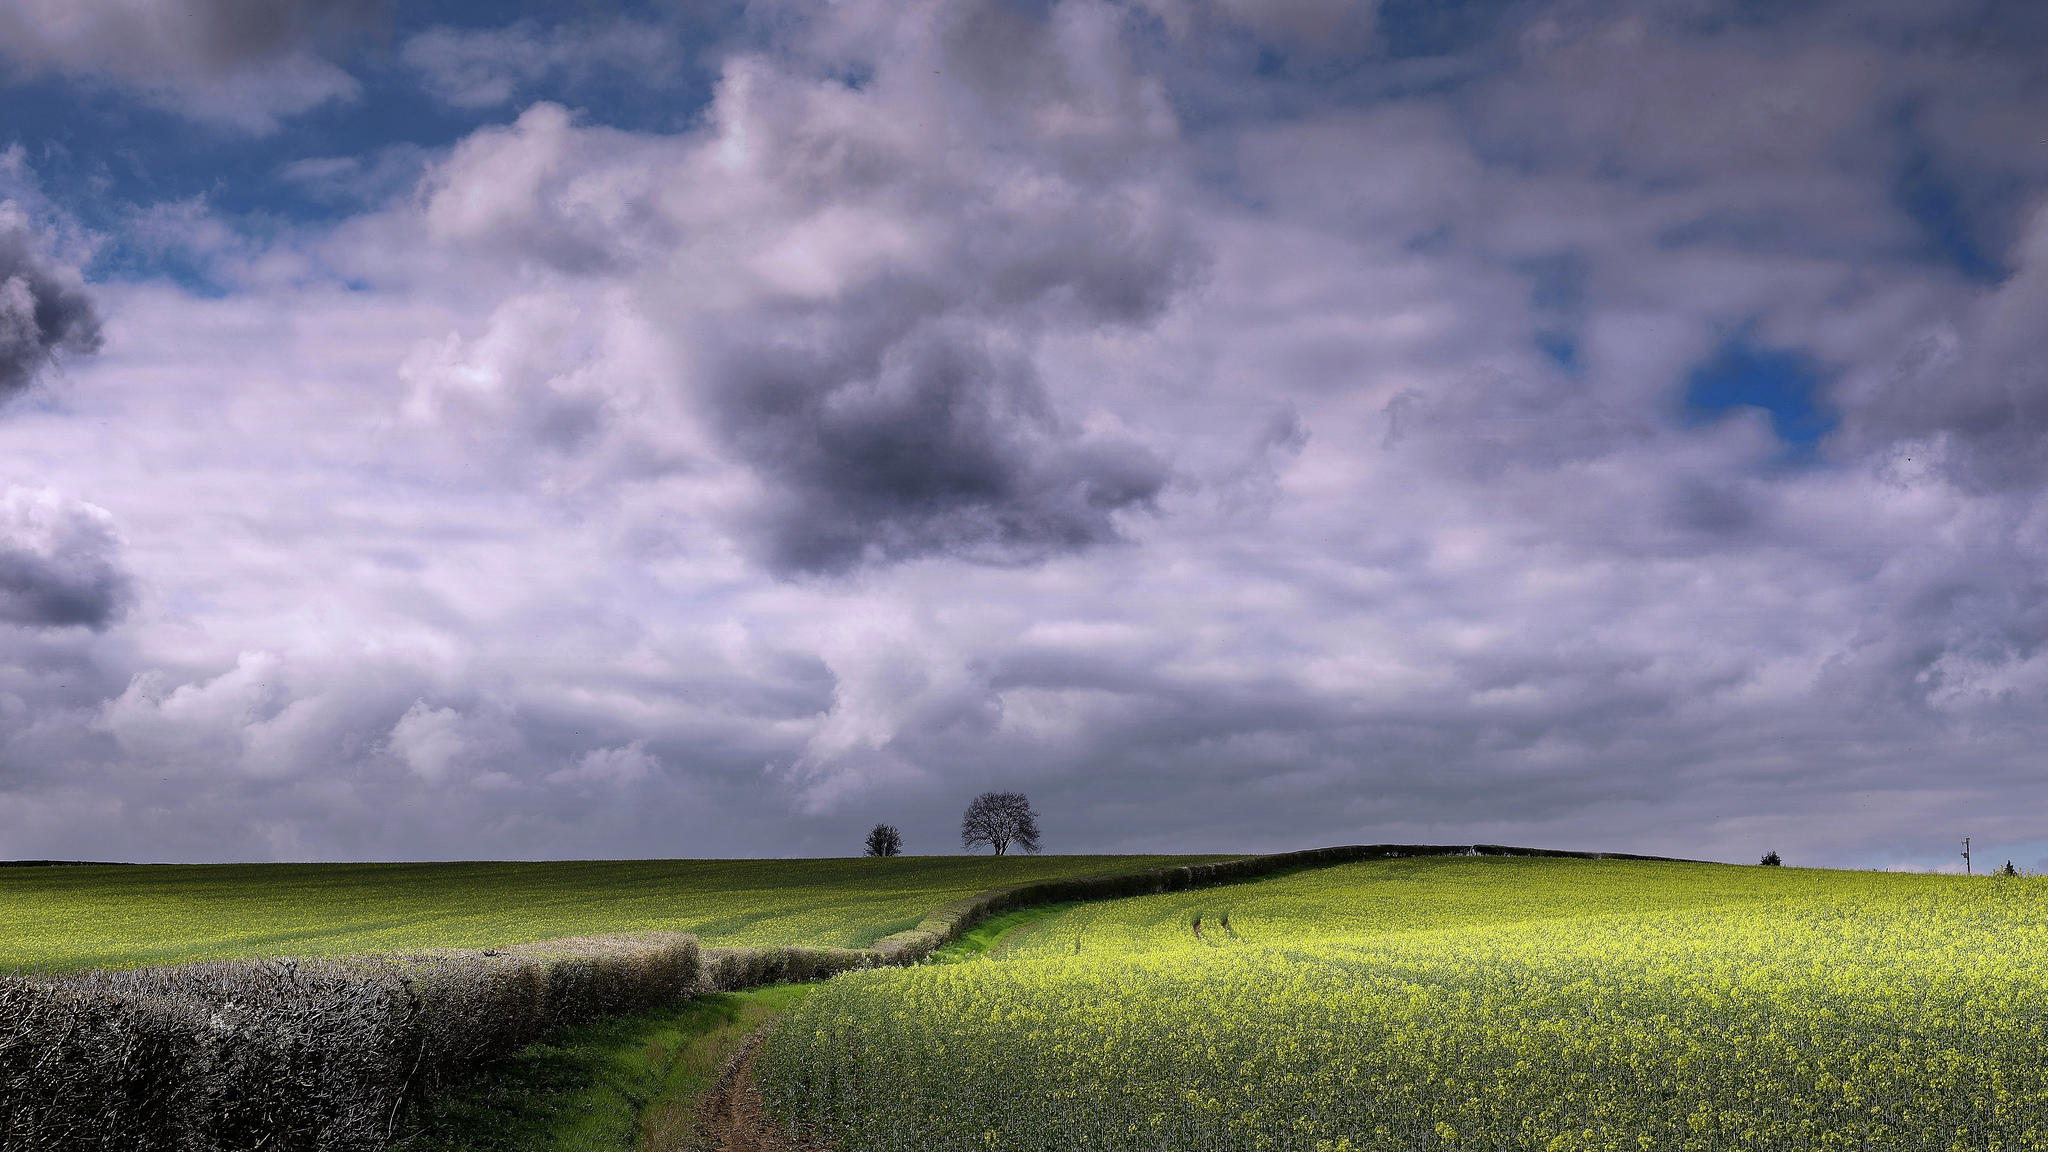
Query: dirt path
x=732 y=1117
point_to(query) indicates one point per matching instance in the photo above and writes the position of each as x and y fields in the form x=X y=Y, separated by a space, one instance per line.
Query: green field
x=1460 y=1003
x=55 y=919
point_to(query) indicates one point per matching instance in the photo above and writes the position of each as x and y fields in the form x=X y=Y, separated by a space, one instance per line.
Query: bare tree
x=885 y=840
x=999 y=819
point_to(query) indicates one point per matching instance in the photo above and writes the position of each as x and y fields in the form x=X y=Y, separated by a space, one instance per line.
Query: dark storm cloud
x=45 y=310
x=60 y=564
x=886 y=258
x=944 y=446
x=913 y=422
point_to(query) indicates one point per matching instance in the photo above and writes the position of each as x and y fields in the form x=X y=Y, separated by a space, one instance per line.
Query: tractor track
x=733 y=1118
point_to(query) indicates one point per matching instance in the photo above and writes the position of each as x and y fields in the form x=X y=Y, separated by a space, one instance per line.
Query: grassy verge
x=992 y=936
x=625 y=1084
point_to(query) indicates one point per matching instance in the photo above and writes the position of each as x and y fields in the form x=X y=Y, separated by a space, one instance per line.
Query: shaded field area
x=633 y=1083
x=71 y=918
x=1458 y=1003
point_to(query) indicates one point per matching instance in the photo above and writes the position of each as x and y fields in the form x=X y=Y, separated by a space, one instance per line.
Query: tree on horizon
x=999 y=819
x=885 y=840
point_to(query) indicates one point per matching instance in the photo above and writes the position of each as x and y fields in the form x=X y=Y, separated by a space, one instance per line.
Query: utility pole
x=1966 y=856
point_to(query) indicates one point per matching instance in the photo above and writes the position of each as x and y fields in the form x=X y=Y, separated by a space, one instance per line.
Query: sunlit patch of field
x=1460 y=1003
x=67 y=918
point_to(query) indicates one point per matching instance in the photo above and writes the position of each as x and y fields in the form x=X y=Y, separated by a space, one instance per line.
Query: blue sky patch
x=1955 y=215
x=1743 y=373
x=1438 y=27
x=1932 y=200
x=105 y=153
x=1562 y=349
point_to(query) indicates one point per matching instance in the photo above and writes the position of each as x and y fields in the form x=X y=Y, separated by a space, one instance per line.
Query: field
x=1459 y=1003
x=58 y=919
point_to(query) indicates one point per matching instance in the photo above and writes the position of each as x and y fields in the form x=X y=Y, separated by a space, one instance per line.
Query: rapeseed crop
x=1467 y=1004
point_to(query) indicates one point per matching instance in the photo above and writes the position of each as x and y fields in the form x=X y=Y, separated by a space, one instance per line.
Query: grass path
x=674 y=1079
x=635 y=1083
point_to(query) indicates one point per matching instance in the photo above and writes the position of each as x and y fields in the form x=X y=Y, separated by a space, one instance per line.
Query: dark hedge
x=286 y=1054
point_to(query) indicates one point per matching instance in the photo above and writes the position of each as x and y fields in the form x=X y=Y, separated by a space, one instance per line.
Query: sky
x=463 y=430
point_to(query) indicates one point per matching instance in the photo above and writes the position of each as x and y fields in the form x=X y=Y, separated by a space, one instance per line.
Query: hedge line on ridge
x=950 y=920
x=289 y=1055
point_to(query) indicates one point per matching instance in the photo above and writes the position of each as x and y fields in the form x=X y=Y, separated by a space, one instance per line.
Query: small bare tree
x=885 y=840
x=1000 y=819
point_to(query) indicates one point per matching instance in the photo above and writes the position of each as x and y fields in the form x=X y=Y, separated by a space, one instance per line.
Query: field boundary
x=949 y=921
x=330 y=1054
x=731 y=969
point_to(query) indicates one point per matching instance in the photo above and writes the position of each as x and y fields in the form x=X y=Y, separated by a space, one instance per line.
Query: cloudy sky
x=447 y=430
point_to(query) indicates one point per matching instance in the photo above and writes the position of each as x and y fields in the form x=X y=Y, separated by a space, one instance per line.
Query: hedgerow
x=293 y=1054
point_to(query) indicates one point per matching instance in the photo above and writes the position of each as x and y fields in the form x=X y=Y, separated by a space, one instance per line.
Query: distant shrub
x=2008 y=870
x=1770 y=859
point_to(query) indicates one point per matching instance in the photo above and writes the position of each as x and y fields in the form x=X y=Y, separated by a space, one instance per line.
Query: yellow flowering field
x=1460 y=1003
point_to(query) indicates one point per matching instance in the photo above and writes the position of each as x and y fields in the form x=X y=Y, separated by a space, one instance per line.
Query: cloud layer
x=1233 y=426
x=871 y=362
